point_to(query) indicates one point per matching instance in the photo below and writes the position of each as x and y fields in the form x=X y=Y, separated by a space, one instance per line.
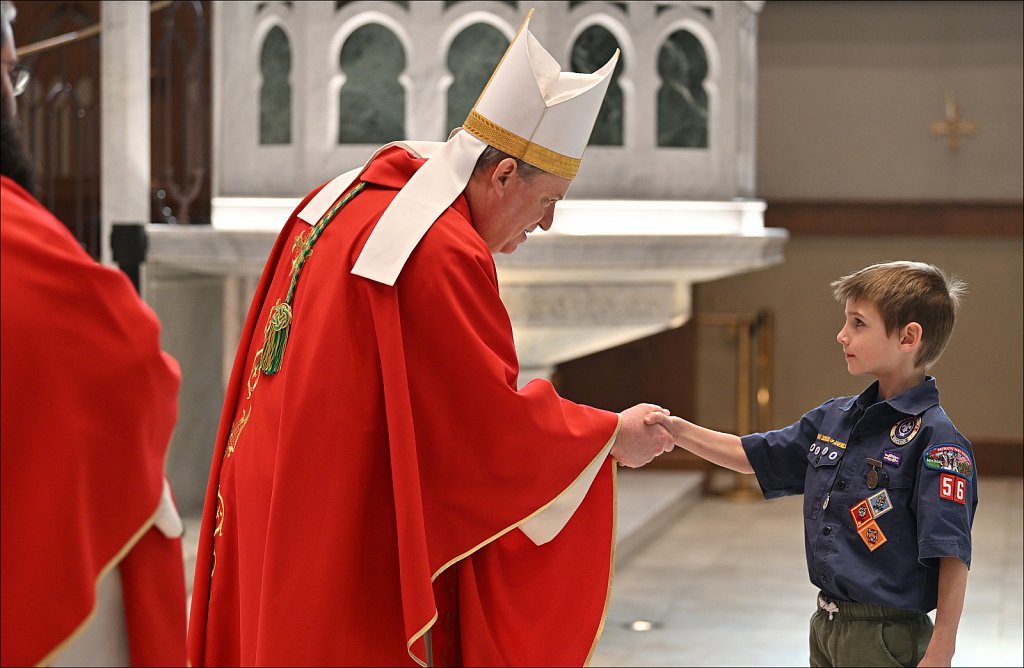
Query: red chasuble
x=372 y=489
x=88 y=405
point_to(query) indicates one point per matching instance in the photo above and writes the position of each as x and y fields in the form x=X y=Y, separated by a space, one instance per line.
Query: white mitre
x=529 y=109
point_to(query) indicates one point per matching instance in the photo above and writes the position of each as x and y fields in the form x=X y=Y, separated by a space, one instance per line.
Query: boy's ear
x=910 y=336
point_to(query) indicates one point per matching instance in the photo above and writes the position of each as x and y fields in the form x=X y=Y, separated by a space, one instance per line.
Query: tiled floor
x=725 y=584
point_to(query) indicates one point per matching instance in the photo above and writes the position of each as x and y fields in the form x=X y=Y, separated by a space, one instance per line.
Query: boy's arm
x=952 y=587
x=714 y=446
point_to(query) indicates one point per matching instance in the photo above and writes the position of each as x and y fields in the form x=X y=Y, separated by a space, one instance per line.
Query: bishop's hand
x=637 y=442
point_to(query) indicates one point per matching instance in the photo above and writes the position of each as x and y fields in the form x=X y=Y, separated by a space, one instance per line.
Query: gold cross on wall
x=953 y=126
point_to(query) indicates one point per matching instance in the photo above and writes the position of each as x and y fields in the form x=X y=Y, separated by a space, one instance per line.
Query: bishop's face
x=513 y=206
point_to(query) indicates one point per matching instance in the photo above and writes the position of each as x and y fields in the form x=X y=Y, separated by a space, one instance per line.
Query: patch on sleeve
x=950 y=458
x=953 y=488
x=872 y=535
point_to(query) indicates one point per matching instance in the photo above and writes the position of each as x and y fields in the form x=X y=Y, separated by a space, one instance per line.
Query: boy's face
x=868 y=349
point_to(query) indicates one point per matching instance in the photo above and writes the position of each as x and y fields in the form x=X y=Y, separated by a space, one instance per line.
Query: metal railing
x=60 y=112
x=755 y=339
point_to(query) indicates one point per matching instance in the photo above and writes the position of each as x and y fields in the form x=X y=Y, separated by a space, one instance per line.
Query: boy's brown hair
x=905 y=292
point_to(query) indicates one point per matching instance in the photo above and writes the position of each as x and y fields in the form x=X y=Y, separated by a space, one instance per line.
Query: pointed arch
x=276 y=88
x=591 y=50
x=683 y=106
x=472 y=57
x=372 y=99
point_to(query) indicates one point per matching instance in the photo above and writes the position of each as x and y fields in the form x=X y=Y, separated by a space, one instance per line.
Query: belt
x=851 y=611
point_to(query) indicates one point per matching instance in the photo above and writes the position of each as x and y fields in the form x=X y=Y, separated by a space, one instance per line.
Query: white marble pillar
x=125 y=150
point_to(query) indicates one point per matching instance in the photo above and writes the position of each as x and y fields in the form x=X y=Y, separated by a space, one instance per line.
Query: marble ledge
x=546 y=257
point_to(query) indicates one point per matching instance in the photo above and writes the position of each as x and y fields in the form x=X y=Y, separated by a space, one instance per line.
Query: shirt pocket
x=822 y=463
x=896 y=523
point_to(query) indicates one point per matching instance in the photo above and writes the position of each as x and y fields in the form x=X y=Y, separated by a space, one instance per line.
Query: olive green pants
x=868 y=635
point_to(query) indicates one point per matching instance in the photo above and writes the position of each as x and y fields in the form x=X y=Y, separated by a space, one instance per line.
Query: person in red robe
x=87 y=404
x=382 y=492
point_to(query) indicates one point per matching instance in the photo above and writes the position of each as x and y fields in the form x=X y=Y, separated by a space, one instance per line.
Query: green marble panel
x=338 y=4
x=260 y=6
x=624 y=6
x=451 y=3
x=372 y=104
x=276 y=92
x=593 y=48
x=472 y=57
x=682 y=100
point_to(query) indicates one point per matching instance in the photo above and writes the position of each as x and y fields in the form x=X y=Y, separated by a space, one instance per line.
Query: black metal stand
x=128 y=244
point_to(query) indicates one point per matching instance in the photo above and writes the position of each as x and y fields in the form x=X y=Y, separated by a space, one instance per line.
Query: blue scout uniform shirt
x=889 y=487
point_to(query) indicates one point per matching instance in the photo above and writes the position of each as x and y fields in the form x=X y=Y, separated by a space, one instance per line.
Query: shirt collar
x=913 y=401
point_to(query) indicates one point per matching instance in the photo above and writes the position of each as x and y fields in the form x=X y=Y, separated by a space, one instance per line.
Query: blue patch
x=904 y=431
x=891 y=457
x=879 y=504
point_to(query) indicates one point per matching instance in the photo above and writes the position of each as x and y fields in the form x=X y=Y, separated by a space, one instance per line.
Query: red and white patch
x=861 y=513
x=953 y=488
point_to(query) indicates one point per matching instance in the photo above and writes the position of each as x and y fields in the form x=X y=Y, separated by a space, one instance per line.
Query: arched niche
x=591 y=50
x=683 y=106
x=371 y=106
x=275 y=88
x=472 y=57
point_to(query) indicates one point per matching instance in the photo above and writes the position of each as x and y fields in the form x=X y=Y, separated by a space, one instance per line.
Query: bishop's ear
x=503 y=172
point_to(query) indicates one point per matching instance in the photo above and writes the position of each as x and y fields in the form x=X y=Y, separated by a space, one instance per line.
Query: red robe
x=375 y=484
x=88 y=404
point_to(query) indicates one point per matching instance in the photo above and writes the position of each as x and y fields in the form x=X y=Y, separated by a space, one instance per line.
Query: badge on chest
x=865 y=513
x=876 y=475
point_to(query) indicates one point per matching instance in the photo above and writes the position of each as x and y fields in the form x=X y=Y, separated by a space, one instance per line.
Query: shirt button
x=821 y=578
x=842 y=484
x=826 y=530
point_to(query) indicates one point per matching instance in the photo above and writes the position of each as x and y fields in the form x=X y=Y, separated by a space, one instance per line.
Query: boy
x=889 y=484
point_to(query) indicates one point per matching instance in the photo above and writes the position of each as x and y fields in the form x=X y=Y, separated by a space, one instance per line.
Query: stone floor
x=723 y=581
x=725 y=584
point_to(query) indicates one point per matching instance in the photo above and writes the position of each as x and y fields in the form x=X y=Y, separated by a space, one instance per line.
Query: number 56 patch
x=953 y=488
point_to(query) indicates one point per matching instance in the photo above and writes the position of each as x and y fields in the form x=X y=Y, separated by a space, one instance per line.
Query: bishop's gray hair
x=492 y=155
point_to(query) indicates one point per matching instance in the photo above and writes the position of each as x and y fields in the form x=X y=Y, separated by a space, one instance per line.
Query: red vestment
x=88 y=404
x=376 y=482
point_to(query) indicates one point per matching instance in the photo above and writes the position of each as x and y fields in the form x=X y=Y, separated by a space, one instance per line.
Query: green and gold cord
x=275 y=334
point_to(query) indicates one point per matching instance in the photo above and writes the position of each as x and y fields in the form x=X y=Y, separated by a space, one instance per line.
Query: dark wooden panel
x=942 y=219
x=998 y=457
x=657 y=369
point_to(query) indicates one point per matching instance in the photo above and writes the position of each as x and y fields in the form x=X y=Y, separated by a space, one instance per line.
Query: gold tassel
x=276 y=338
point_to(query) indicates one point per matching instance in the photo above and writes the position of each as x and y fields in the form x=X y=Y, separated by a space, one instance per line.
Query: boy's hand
x=663 y=420
x=637 y=442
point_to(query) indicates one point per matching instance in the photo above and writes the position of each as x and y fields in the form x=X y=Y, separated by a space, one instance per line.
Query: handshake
x=643 y=435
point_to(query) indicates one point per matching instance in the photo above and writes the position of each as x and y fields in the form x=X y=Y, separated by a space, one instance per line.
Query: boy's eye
x=857 y=322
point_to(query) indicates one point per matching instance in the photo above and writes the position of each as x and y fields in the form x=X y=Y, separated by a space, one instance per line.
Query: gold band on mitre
x=550 y=161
